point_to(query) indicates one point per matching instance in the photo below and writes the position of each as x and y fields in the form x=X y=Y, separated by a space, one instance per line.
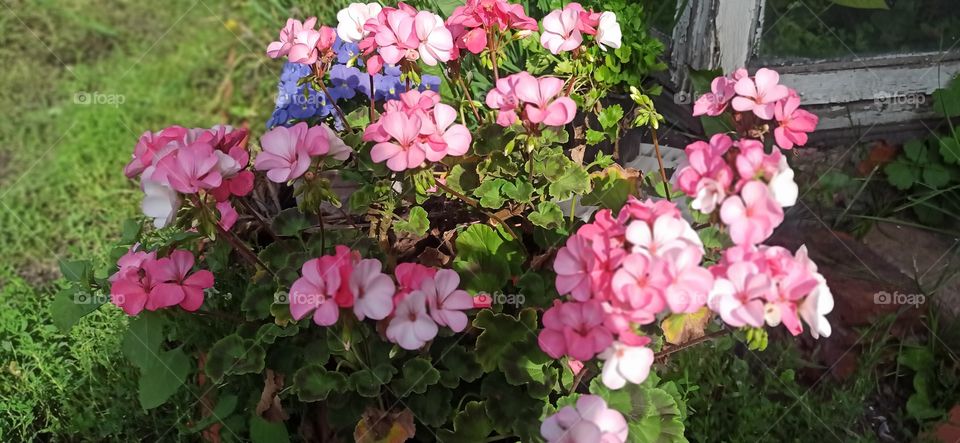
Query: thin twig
x=466 y=93
x=263 y=222
x=691 y=343
x=336 y=107
x=663 y=172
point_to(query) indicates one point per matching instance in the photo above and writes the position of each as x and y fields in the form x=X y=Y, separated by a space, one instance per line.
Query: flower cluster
x=147 y=282
x=401 y=34
x=413 y=308
x=471 y=23
x=415 y=128
x=301 y=43
x=620 y=272
x=289 y=152
x=563 y=29
x=767 y=284
x=531 y=100
x=177 y=161
x=589 y=421
x=766 y=98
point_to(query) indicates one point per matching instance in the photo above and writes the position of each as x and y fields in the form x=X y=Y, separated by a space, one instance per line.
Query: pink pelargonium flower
x=232 y=167
x=372 y=290
x=504 y=98
x=754 y=163
x=353 y=19
x=316 y=291
x=228 y=215
x=760 y=94
x=153 y=145
x=543 y=105
x=562 y=29
x=574 y=264
x=446 y=137
x=404 y=150
x=132 y=260
x=738 y=295
x=411 y=326
x=410 y=277
x=288 y=35
x=625 y=363
x=308 y=44
x=287 y=152
x=638 y=286
x=189 y=169
x=590 y=421
x=689 y=283
x=436 y=43
x=575 y=329
x=446 y=302
x=667 y=237
x=795 y=123
x=751 y=216
x=471 y=22
x=723 y=89
x=174 y=285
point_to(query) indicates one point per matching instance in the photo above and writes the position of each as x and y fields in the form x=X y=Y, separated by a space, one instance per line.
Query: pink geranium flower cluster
x=620 y=272
x=147 y=282
x=471 y=23
x=301 y=43
x=532 y=100
x=289 y=152
x=589 y=421
x=178 y=160
x=766 y=98
x=767 y=284
x=563 y=29
x=402 y=34
x=413 y=308
x=415 y=128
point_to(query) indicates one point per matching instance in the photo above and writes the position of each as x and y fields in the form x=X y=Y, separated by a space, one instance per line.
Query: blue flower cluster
x=347 y=81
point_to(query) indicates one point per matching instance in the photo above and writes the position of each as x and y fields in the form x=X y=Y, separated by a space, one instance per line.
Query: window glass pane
x=822 y=29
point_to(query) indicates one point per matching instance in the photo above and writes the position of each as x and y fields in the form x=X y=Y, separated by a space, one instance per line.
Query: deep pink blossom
x=715 y=102
x=471 y=22
x=794 y=123
x=153 y=145
x=410 y=277
x=575 y=329
x=173 y=284
x=316 y=290
x=189 y=168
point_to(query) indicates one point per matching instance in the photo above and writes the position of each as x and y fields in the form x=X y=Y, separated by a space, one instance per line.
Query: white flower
x=608 y=32
x=625 y=363
x=710 y=193
x=782 y=187
x=160 y=202
x=814 y=309
x=352 y=19
x=436 y=42
x=411 y=326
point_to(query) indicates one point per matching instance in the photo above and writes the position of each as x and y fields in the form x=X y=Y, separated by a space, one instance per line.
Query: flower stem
x=343 y=117
x=663 y=172
x=373 y=102
x=664 y=353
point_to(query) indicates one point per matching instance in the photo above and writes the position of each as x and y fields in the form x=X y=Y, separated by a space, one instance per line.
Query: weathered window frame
x=886 y=96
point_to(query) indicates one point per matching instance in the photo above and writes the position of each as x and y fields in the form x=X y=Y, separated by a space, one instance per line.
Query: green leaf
x=463 y=179
x=72 y=304
x=486 y=259
x=548 y=215
x=367 y=382
x=901 y=174
x=234 y=355
x=257 y=300
x=459 y=365
x=863 y=4
x=433 y=407
x=916 y=150
x=130 y=232
x=162 y=378
x=416 y=222
x=226 y=404
x=79 y=271
x=489 y=193
x=574 y=181
x=950 y=150
x=469 y=426
x=262 y=431
x=594 y=137
x=520 y=192
x=652 y=414
x=270 y=332
x=946 y=101
x=418 y=375
x=290 y=223
x=610 y=116
x=499 y=332
x=314 y=383
x=610 y=191
x=511 y=413
x=936 y=175
x=141 y=342
x=526 y=365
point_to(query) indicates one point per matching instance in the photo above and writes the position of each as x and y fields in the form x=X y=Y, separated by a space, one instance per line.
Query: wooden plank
x=889 y=83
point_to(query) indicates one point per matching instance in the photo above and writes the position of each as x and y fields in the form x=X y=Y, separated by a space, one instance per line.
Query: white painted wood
x=887 y=83
x=737 y=25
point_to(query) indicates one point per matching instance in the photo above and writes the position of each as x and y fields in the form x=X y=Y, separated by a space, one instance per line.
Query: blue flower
x=297 y=102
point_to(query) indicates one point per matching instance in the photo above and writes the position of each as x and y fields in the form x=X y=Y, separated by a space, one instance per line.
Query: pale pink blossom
x=411 y=326
x=639 y=286
x=445 y=301
x=623 y=363
x=783 y=188
x=153 y=145
x=751 y=216
x=575 y=329
x=351 y=21
x=284 y=155
x=574 y=264
x=667 y=237
x=160 y=202
x=542 y=103
x=228 y=215
x=288 y=36
x=189 y=169
x=372 y=290
x=815 y=307
x=504 y=98
x=590 y=421
x=561 y=29
x=739 y=295
x=609 y=34
x=436 y=43
x=760 y=94
x=404 y=150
